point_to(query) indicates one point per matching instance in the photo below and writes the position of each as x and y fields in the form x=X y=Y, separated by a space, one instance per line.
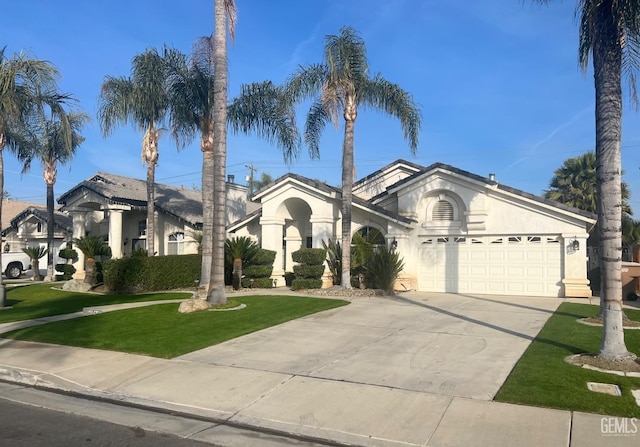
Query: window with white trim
x=175 y=244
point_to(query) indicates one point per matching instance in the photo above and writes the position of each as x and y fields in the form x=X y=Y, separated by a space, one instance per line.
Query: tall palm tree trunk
x=150 y=156
x=216 y=292
x=151 y=216
x=50 y=226
x=3 y=292
x=347 y=187
x=607 y=63
x=207 y=210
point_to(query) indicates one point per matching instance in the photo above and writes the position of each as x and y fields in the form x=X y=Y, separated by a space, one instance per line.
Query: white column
x=321 y=229
x=79 y=219
x=115 y=232
x=574 y=274
x=272 y=240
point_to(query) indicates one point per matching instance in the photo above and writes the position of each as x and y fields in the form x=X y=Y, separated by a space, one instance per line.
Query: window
x=39 y=227
x=442 y=210
x=371 y=235
x=142 y=227
x=176 y=244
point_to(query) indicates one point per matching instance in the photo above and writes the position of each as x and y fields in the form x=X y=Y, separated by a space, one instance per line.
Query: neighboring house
x=10 y=209
x=456 y=231
x=116 y=207
x=29 y=229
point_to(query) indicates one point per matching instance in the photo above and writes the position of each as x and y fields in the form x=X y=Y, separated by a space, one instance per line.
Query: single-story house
x=456 y=231
x=115 y=207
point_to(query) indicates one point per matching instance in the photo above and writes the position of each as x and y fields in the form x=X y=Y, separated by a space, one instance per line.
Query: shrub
x=308 y=271
x=264 y=257
x=306 y=283
x=142 y=274
x=140 y=252
x=66 y=270
x=238 y=252
x=384 y=267
x=258 y=271
x=334 y=260
x=310 y=256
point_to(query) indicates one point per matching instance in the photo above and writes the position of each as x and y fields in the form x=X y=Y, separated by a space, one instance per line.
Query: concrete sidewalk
x=419 y=370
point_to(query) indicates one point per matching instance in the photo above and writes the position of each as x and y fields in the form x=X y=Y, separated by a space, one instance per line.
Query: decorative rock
x=605 y=388
x=636 y=394
x=76 y=285
x=193 y=305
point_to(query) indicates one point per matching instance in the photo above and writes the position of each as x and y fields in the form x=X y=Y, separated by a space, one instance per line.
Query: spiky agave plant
x=384 y=267
x=334 y=259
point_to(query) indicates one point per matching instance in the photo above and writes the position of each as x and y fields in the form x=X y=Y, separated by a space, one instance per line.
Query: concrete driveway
x=453 y=345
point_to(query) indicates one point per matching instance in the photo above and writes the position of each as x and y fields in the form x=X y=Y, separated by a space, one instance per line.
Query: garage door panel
x=529 y=265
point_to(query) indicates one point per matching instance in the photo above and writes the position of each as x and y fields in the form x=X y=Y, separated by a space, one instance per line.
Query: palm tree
x=214 y=173
x=342 y=83
x=53 y=145
x=610 y=34
x=91 y=246
x=238 y=251
x=24 y=83
x=574 y=184
x=260 y=107
x=142 y=100
x=35 y=253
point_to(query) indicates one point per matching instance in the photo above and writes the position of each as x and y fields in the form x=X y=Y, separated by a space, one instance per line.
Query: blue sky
x=497 y=81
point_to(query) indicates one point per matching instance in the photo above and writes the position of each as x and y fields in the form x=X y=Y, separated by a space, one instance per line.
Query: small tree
x=35 y=253
x=238 y=251
x=309 y=272
x=91 y=246
x=67 y=269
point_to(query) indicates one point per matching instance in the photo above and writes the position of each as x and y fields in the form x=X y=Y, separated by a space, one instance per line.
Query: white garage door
x=521 y=265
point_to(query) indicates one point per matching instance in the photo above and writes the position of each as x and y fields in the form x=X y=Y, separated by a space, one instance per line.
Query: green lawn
x=161 y=331
x=542 y=377
x=42 y=300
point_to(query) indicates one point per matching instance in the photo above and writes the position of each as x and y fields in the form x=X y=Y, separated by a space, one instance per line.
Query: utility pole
x=250 y=177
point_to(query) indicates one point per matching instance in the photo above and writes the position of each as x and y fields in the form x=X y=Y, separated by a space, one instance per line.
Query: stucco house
x=29 y=229
x=115 y=207
x=25 y=225
x=457 y=231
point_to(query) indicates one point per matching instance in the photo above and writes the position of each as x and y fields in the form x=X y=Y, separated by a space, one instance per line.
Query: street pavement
x=417 y=369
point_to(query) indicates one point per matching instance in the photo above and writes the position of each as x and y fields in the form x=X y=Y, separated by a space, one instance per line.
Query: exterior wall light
x=574 y=244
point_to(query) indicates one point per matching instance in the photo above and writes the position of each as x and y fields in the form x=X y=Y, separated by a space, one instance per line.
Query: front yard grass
x=44 y=300
x=161 y=331
x=543 y=378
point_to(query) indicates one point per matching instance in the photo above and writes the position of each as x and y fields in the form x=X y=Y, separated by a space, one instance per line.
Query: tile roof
x=184 y=204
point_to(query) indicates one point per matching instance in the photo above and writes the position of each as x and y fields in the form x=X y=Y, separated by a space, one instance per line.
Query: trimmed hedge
x=310 y=256
x=257 y=271
x=306 y=283
x=309 y=274
x=308 y=271
x=147 y=274
x=264 y=257
x=66 y=270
